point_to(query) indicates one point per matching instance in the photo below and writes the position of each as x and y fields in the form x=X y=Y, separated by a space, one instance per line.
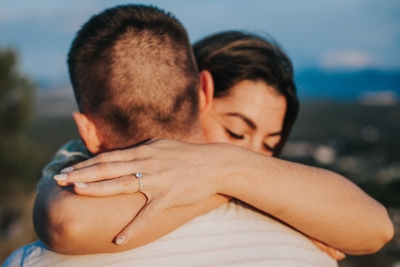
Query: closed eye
x=267 y=147
x=233 y=135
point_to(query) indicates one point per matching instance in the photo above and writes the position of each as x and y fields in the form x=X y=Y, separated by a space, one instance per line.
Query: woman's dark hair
x=234 y=56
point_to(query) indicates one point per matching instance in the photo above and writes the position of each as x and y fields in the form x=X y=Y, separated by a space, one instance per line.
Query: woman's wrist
x=232 y=166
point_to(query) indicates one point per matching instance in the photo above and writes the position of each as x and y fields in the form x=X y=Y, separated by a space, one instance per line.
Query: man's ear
x=206 y=91
x=88 y=132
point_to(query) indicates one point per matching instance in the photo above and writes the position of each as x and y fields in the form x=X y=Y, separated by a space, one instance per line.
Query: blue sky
x=330 y=35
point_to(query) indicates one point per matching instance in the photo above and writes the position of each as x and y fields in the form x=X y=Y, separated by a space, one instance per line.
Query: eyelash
x=240 y=137
x=233 y=135
x=272 y=149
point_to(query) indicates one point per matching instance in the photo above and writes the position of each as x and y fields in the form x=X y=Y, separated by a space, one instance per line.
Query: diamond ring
x=138 y=176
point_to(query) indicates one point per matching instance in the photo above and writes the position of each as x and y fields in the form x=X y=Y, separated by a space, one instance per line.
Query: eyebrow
x=250 y=123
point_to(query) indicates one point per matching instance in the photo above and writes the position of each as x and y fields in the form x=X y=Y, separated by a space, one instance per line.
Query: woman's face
x=251 y=116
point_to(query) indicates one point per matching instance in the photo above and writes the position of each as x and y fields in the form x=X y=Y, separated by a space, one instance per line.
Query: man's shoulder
x=24 y=256
x=247 y=236
x=73 y=148
x=233 y=234
x=70 y=153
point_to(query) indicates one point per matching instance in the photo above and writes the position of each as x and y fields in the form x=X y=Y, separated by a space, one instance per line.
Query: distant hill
x=312 y=84
x=317 y=84
x=359 y=141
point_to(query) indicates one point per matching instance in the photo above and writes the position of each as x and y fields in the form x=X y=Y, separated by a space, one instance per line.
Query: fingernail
x=340 y=254
x=81 y=185
x=67 y=170
x=61 y=177
x=120 y=240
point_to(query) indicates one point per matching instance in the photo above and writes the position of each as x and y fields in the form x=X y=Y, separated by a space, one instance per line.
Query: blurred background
x=346 y=55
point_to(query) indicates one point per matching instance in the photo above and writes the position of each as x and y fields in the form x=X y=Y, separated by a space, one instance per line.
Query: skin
x=251 y=116
x=306 y=198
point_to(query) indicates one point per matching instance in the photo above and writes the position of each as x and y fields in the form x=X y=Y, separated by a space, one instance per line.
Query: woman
x=254 y=107
x=233 y=57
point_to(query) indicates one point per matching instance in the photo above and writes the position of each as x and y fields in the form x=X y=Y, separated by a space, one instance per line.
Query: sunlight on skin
x=251 y=116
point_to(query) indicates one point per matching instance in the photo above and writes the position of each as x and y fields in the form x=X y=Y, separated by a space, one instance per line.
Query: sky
x=323 y=34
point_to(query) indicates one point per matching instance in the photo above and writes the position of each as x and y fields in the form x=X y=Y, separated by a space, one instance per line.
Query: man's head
x=134 y=76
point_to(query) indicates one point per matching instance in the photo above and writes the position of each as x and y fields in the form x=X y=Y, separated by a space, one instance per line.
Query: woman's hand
x=174 y=174
x=332 y=252
x=309 y=199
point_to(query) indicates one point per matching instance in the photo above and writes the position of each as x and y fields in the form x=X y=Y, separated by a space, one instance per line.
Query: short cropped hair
x=234 y=56
x=132 y=68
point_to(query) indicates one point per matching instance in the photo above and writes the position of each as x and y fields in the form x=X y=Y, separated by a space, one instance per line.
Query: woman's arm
x=319 y=203
x=71 y=224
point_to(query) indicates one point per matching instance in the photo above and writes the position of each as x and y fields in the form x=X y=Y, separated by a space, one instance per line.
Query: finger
x=332 y=252
x=100 y=171
x=335 y=254
x=323 y=247
x=117 y=155
x=150 y=211
x=122 y=185
x=340 y=255
x=134 y=153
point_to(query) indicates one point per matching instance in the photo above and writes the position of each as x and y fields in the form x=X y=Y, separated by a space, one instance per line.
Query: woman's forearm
x=71 y=224
x=317 y=202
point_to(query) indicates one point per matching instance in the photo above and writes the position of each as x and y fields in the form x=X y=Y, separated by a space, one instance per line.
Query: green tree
x=16 y=107
x=17 y=155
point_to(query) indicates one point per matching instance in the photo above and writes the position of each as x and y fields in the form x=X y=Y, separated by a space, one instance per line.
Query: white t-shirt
x=234 y=234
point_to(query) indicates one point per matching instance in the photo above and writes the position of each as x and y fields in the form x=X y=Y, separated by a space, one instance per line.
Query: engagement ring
x=138 y=176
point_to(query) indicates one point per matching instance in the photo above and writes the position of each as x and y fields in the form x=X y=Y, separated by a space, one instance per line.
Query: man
x=135 y=79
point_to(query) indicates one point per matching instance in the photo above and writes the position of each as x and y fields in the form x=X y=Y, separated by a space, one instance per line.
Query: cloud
x=346 y=59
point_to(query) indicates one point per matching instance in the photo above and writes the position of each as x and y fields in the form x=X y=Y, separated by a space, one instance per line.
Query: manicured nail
x=120 y=240
x=340 y=254
x=67 y=170
x=61 y=177
x=81 y=185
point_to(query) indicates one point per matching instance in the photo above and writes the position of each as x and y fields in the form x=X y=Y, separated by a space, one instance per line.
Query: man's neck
x=196 y=136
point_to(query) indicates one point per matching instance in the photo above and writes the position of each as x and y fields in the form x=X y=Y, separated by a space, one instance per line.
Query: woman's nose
x=258 y=146
x=255 y=146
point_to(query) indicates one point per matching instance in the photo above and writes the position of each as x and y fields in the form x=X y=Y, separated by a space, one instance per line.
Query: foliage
x=16 y=104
